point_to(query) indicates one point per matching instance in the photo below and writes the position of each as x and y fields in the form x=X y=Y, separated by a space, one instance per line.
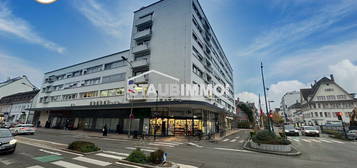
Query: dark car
x=7 y=141
x=291 y=130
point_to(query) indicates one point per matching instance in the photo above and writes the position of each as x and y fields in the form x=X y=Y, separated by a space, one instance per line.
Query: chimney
x=332 y=78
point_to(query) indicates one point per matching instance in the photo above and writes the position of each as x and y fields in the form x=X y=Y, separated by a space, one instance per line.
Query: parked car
x=310 y=131
x=7 y=141
x=23 y=129
x=291 y=130
x=352 y=134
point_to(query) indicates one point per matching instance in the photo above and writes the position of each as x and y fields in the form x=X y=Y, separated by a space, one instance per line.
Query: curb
x=135 y=164
x=296 y=153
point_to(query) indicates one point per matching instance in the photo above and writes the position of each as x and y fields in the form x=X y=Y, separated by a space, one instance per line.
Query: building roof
x=19 y=97
x=305 y=93
x=10 y=81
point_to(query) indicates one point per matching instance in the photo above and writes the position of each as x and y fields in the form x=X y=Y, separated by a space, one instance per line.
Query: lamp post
x=265 y=96
x=132 y=103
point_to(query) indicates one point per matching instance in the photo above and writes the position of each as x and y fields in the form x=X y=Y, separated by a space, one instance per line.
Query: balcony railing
x=141 y=62
x=145 y=34
x=141 y=49
x=145 y=20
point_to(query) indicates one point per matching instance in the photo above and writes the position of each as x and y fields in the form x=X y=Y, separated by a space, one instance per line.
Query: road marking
x=241 y=141
x=110 y=156
x=124 y=164
x=67 y=164
x=237 y=137
x=306 y=140
x=236 y=150
x=5 y=161
x=225 y=140
x=116 y=153
x=92 y=161
x=315 y=140
x=49 y=152
x=49 y=158
x=193 y=144
x=337 y=141
x=158 y=144
x=233 y=140
x=186 y=166
x=147 y=150
x=37 y=166
x=47 y=147
x=323 y=140
x=167 y=143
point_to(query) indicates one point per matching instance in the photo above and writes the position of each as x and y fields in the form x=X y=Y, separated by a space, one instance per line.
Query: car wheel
x=32 y=133
x=318 y=135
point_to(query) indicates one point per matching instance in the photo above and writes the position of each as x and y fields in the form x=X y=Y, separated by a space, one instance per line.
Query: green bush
x=83 y=146
x=156 y=157
x=137 y=156
x=267 y=137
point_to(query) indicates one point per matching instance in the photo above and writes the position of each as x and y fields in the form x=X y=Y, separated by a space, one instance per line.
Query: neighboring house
x=172 y=37
x=321 y=102
x=15 y=85
x=241 y=114
x=15 y=107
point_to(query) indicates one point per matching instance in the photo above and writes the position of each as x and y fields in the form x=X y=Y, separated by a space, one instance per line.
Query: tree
x=247 y=111
x=277 y=118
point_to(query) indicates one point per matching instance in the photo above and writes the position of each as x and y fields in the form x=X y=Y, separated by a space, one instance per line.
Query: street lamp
x=265 y=96
x=132 y=103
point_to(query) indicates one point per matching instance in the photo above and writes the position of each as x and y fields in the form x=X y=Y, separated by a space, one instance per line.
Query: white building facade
x=170 y=38
x=288 y=104
x=321 y=102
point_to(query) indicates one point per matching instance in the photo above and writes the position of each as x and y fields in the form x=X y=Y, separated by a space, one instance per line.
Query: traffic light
x=339 y=115
x=270 y=115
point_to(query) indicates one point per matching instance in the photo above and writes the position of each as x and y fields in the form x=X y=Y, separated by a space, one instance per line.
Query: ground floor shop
x=159 y=119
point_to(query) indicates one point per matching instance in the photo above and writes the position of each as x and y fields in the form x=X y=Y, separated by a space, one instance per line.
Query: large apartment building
x=171 y=42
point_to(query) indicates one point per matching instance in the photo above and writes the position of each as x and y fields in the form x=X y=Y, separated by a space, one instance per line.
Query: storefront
x=162 y=118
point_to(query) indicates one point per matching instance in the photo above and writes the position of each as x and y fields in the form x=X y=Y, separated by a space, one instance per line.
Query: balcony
x=145 y=34
x=147 y=20
x=141 y=49
x=141 y=62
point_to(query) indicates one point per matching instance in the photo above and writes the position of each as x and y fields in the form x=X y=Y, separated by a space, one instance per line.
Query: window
x=88 y=94
x=115 y=64
x=197 y=71
x=114 y=78
x=55 y=98
x=93 y=69
x=69 y=96
x=341 y=97
x=325 y=114
x=57 y=87
x=328 y=89
x=316 y=114
x=321 y=98
x=60 y=77
x=76 y=73
x=331 y=97
x=321 y=114
x=112 y=92
x=91 y=81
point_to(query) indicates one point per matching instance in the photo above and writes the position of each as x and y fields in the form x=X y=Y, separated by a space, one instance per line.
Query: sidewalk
x=114 y=136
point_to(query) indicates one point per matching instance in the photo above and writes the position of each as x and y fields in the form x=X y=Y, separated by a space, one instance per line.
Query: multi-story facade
x=170 y=38
x=321 y=102
x=16 y=107
x=287 y=101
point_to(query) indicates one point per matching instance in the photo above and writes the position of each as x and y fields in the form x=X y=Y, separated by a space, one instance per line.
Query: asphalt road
x=317 y=152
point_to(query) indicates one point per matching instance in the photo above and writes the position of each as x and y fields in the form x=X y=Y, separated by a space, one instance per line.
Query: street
x=33 y=152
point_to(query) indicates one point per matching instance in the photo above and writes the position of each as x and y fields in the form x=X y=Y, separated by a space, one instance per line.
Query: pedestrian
x=38 y=123
x=105 y=130
x=118 y=128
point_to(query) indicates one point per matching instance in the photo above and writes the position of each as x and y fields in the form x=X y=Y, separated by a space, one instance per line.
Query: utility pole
x=132 y=103
x=265 y=96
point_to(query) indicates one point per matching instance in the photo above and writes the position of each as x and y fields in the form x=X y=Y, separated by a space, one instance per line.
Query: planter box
x=268 y=147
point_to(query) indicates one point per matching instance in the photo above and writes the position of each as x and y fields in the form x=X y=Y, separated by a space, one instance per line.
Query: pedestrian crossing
x=233 y=140
x=101 y=159
x=314 y=140
x=165 y=144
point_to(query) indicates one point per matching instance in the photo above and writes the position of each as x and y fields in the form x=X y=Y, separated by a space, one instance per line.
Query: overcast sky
x=299 y=41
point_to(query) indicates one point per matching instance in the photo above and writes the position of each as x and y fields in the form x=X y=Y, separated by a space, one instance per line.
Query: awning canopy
x=183 y=103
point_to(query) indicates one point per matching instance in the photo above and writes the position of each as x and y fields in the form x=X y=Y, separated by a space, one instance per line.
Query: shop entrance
x=175 y=127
